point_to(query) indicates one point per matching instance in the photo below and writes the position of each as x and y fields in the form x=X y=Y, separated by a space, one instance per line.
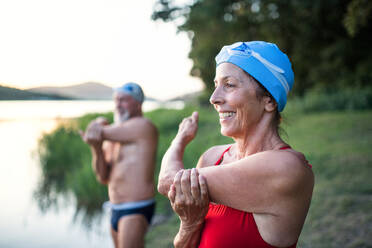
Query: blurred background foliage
x=328 y=42
x=66 y=171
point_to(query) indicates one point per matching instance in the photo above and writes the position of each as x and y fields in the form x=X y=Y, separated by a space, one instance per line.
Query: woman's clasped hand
x=189 y=197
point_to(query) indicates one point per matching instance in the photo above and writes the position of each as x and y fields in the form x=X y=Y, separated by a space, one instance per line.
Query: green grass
x=337 y=144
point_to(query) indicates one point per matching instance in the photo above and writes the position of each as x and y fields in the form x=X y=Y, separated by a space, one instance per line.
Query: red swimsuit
x=226 y=227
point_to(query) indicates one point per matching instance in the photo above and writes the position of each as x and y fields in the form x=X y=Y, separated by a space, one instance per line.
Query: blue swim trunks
x=146 y=208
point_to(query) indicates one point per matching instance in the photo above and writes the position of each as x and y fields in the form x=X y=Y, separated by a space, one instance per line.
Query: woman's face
x=235 y=100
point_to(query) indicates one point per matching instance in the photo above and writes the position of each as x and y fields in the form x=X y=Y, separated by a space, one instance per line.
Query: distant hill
x=189 y=97
x=9 y=93
x=89 y=90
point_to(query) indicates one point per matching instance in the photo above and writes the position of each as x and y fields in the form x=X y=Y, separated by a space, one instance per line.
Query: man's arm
x=100 y=167
x=93 y=137
x=129 y=131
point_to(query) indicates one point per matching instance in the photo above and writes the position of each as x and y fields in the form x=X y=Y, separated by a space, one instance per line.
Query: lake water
x=22 y=224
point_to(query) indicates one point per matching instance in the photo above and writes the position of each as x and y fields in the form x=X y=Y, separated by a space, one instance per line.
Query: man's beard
x=121 y=117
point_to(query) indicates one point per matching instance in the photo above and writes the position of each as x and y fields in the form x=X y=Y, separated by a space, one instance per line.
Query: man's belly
x=130 y=191
x=131 y=176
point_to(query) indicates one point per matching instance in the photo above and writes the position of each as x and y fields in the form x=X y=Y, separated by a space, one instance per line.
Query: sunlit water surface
x=22 y=224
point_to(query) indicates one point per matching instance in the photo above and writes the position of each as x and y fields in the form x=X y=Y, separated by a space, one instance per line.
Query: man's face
x=125 y=106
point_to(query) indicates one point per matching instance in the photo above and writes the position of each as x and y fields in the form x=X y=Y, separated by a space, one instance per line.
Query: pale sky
x=65 y=42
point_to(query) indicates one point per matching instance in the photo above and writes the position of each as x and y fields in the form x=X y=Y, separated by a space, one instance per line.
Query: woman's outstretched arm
x=172 y=160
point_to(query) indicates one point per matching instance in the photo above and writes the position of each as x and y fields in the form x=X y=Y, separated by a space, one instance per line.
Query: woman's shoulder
x=291 y=165
x=212 y=155
x=295 y=157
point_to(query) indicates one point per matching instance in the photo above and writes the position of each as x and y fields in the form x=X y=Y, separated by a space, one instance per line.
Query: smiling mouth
x=226 y=114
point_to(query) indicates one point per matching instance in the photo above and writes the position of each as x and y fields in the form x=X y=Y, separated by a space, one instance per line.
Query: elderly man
x=124 y=159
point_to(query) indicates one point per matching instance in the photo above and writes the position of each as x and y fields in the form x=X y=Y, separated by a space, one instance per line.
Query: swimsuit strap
x=221 y=158
x=281 y=148
x=288 y=147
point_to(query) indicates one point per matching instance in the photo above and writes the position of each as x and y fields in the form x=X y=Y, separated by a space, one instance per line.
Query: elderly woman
x=255 y=192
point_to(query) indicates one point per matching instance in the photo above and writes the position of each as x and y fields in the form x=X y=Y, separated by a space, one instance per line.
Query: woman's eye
x=229 y=85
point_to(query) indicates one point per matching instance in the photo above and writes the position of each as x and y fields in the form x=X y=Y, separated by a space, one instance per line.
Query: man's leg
x=131 y=231
x=114 y=236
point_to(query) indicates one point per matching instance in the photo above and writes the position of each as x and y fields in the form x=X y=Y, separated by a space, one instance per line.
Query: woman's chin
x=226 y=131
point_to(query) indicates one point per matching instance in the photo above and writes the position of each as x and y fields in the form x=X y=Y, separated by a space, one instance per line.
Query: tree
x=328 y=42
x=357 y=16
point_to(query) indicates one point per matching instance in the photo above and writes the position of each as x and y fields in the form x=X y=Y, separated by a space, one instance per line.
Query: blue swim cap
x=132 y=89
x=265 y=62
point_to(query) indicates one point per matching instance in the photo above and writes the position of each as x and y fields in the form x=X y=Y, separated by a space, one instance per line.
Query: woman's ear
x=270 y=104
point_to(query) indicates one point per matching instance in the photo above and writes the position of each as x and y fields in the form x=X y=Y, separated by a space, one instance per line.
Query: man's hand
x=101 y=120
x=188 y=128
x=93 y=134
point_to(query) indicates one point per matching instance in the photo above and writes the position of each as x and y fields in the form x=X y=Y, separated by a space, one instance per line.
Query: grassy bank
x=337 y=144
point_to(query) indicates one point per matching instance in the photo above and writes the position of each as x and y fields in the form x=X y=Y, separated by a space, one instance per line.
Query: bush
x=346 y=99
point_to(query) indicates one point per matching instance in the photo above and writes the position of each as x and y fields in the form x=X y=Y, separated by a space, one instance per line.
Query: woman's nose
x=216 y=97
